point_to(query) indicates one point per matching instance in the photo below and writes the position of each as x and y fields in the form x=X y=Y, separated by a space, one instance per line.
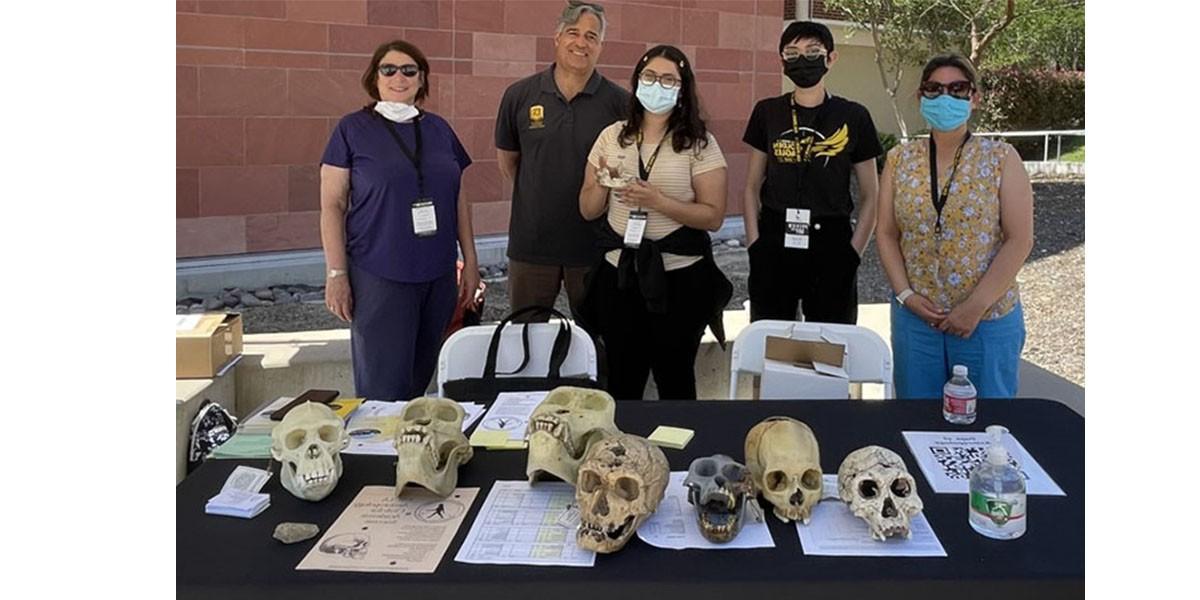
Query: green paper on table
x=244 y=445
x=671 y=437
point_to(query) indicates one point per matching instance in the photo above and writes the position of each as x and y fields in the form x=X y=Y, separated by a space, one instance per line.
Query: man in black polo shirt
x=803 y=247
x=544 y=130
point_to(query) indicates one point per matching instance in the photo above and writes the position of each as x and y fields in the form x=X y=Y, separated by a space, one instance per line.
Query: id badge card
x=424 y=218
x=796 y=234
x=635 y=228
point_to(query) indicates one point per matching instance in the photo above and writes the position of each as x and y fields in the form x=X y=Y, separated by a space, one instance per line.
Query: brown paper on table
x=379 y=532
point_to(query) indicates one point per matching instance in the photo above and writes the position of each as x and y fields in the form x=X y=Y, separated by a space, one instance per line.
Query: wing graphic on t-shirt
x=830 y=146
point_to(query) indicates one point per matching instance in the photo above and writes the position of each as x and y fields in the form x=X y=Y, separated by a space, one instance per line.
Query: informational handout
x=675 y=525
x=380 y=532
x=509 y=414
x=947 y=457
x=835 y=531
x=372 y=427
x=520 y=524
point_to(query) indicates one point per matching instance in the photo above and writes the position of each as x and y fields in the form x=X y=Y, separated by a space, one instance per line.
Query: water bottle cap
x=959 y=370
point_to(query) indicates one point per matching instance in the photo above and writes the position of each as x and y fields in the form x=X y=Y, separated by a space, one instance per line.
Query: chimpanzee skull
x=307 y=442
x=876 y=483
x=785 y=462
x=719 y=488
x=563 y=426
x=621 y=481
x=430 y=445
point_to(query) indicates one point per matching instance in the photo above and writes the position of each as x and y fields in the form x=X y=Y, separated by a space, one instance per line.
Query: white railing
x=1045 y=135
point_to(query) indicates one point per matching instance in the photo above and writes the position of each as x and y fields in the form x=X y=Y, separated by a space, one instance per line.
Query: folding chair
x=868 y=359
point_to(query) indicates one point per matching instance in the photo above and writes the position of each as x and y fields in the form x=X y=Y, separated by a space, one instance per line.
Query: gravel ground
x=1052 y=286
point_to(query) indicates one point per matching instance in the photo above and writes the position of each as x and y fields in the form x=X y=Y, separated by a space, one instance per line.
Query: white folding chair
x=868 y=358
x=463 y=355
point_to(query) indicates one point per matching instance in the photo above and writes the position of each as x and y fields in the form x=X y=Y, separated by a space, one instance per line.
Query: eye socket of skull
x=628 y=489
x=901 y=487
x=811 y=480
x=447 y=413
x=295 y=439
x=733 y=473
x=557 y=400
x=868 y=488
x=589 y=482
x=415 y=412
x=328 y=433
x=706 y=468
x=776 y=481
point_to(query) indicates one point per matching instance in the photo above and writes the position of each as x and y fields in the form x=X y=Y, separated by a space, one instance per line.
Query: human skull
x=307 y=442
x=563 y=426
x=876 y=483
x=430 y=445
x=621 y=481
x=719 y=487
x=785 y=463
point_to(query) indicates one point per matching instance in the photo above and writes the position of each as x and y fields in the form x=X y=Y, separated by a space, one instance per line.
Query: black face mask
x=805 y=73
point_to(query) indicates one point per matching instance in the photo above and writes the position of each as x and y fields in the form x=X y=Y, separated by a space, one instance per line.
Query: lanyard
x=939 y=200
x=413 y=157
x=644 y=168
x=802 y=167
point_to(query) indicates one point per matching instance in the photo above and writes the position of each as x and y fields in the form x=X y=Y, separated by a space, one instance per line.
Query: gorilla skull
x=430 y=445
x=876 y=483
x=621 y=481
x=563 y=426
x=785 y=462
x=307 y=442
x=719 y=488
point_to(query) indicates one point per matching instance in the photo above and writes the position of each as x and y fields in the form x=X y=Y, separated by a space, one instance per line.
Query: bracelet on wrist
x=904 y=295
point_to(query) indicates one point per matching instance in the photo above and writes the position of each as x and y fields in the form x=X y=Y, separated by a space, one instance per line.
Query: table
x=222 y=557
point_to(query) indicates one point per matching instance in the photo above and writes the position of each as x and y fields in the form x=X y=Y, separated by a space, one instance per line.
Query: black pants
x=822 y=278
x=638 y=342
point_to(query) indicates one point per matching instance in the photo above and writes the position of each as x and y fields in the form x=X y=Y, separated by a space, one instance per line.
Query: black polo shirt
x=554 y=137
x=809 y=161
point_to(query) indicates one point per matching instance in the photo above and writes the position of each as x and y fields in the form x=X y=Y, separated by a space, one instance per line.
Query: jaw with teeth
x=430 y=445
x=562 y=428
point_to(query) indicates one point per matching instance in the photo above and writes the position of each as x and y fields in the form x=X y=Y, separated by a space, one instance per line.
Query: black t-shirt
x=554 y=137
x=809 y=161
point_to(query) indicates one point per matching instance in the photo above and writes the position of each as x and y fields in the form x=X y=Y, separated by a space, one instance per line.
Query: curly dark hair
x=686 y=123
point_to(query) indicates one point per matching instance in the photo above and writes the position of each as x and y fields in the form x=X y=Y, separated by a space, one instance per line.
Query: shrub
x=1030 y=100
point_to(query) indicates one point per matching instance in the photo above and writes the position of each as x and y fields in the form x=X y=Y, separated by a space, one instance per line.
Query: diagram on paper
x=526 y=525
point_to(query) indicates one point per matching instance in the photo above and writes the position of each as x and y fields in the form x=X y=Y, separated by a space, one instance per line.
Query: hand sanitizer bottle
x=997 y=493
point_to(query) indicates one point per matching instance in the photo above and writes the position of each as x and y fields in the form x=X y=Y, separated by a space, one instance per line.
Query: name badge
x=424 y=218
x=635 y=228
x=796 y=234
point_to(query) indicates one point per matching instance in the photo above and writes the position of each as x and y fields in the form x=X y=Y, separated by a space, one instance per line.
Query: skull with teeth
x=876 y=483
x=785 y=462
x=719 y=488
x=307 y=442
x=562 y=428
x=621 y=481
x=430 y=445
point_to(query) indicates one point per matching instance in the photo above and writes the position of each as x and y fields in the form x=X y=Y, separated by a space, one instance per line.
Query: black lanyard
x=413 y=157
x=939 y=200
x=644 y=168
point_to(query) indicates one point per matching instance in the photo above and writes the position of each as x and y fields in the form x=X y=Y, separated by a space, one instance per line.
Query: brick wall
x=260 y=84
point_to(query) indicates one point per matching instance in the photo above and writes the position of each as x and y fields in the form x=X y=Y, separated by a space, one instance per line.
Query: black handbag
x=488 y=385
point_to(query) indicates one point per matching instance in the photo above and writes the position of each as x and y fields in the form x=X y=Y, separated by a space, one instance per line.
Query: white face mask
x=398 y=112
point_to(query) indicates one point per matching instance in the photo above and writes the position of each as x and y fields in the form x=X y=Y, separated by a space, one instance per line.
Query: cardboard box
x=804 y=369
x=206 y=343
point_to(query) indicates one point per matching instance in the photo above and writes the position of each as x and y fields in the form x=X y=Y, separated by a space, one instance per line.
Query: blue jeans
x=923 y=356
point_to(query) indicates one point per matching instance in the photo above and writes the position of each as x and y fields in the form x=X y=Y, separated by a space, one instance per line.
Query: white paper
x=424 y=219
x=520 y=524
x=372 y=426
x=246 y=479
x=947 y=457
x=237 y=503
x=510 y=412
x=187 y=322
x=674 y=524
x=835 y=531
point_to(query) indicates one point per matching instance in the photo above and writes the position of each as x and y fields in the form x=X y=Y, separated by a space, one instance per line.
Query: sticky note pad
x=495 y=440
x=671 y=437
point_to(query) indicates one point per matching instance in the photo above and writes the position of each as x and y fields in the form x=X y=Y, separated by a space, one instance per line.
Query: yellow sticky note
x=671 y=437
x=342 y=407
x=495 y=440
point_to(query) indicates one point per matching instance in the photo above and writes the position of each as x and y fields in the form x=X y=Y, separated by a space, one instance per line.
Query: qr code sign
x=957 y=461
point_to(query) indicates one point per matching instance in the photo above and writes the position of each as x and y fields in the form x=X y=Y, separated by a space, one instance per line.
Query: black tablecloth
x=222 y=557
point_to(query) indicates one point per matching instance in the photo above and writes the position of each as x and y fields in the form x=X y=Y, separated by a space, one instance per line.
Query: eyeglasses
x=409 y=70
x=959 y=89
x=665 y=80
x=792 y=54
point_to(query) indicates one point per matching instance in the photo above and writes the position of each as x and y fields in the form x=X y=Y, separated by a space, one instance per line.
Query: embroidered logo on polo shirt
x=537 y=116
x=810 y=144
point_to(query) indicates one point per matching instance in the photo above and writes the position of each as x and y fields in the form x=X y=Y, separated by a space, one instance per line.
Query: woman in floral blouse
x=952 y=240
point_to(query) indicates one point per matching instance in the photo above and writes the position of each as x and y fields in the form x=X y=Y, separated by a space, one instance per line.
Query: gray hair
x=575 y=10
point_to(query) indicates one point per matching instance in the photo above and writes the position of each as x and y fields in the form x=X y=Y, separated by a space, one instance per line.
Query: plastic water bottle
x=997 y=493
x=958 y=398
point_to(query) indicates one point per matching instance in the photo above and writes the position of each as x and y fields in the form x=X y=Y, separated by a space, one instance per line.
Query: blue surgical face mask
x=945 y=113
x=657 y=99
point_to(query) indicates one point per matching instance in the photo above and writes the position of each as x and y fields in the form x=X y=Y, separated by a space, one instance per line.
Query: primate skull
x=307 y=442
x=430 y=445
x=785 y=463
x=719 y=487
x=876 y=483
x=621 y=481
x=563 y=426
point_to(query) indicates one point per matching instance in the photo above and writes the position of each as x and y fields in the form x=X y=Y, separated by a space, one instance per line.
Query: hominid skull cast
x=719 y=487
x=876 y=483
x=307 y=442
x=563 y=426
x=430 y=445
x=785 y=462
x=621 y=481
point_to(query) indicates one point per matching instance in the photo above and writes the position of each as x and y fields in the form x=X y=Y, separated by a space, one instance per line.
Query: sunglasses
x=794 y=54
x=409 y=70
x=959 y=89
